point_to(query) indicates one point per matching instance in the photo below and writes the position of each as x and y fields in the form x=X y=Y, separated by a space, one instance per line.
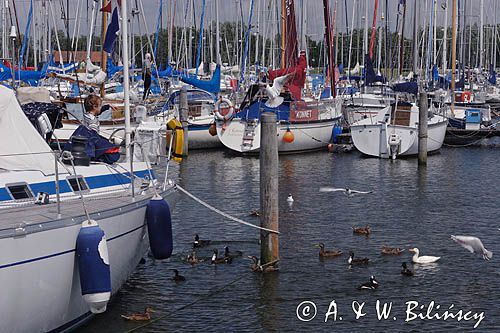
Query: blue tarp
x=370 y=76
x=493 y=76
x=407 y=87
x=30 y=77
x=212 y=85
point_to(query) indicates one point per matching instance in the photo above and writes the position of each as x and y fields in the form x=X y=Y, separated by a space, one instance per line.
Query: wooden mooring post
x=183 y=117
x=269 y=246
x=422 y=128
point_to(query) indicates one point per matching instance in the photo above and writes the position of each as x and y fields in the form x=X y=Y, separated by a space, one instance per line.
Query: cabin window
x=19 y=191
x=75 y=180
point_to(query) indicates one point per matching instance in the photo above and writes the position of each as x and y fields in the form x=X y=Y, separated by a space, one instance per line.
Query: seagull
x=347 y=191
x=273 y=92
x=474 y=245
x=289 y=199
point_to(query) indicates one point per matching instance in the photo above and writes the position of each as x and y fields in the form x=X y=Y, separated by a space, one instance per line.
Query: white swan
x=423 y=259
x=289 y=199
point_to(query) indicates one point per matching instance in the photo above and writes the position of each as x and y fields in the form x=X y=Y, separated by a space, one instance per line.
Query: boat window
x=75 y=180
x=19 y=191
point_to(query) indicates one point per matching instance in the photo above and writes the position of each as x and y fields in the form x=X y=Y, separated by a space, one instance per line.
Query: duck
x=193 y=259
x=289 y=199
x=362 y=230
x=228 y=254
x=372 y=285
x=267 y=268
x=406 y=271
x=352 y=261
x=140 y=316
x=177 y=277
x=216 y=260
x=391 y=250
x=255 y=213
x=323 y=253
x=200 y=242
x=423 y=259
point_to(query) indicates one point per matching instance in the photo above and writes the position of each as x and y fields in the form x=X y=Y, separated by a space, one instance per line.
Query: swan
x=423 y=259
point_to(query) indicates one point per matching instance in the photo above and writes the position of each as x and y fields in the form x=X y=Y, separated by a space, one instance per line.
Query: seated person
x=93 y=108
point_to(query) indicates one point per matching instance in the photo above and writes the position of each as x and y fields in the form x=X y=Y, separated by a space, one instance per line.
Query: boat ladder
x=249 y=134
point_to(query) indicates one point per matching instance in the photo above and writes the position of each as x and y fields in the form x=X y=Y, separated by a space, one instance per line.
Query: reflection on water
x=411 y=207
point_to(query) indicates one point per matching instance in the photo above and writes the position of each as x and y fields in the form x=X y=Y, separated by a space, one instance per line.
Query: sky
x=229 y=10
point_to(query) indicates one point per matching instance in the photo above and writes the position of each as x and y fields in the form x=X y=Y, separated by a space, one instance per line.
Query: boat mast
x=495 y=38
x=434 y=48
x=329 y=51
x=445 y=42
x=453 y=53
x=402 y=43
x=374 y=25
x=415 y=38
x=481 y=36
x=103 y=38
x=365 y=33
x=283 y=34
x=350 y=41
x=428 y=64
x=126 y=84
x=217 y=33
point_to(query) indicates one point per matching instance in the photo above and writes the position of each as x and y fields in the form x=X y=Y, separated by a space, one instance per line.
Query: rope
x=235 y=219
x=305 y=133
x=210 y=294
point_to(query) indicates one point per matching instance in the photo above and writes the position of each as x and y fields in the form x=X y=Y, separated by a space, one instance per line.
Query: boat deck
x=29 y=215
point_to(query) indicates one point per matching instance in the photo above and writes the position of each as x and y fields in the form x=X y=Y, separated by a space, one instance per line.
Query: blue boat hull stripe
x=93 y=182
x=65 y=252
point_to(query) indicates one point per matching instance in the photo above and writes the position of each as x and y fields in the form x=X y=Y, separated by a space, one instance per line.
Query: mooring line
x=212 y=208
x=189 y=304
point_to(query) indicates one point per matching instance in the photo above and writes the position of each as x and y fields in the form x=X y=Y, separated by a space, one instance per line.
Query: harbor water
x=457 y=194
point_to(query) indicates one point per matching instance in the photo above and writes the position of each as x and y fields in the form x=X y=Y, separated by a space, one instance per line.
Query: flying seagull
x=347 y=191
x=474 y=245
x=273 y=92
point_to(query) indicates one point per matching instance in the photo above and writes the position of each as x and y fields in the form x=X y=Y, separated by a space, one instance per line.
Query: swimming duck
x=352 y=261
x=361 y=230
x=193 y=259
x=215 y=260
x=406 y=271
x=200 y=242
x=255 y=213
x=177 y=277
x=391 y=250
x=372 y=285
x=267 y=268
x=323 y=253
x=228 y=254
x=140 y=316
x=422 y=259
x=289 y=199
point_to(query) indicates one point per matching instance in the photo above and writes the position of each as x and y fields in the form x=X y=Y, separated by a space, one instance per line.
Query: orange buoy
x=288 y=137
x=212 y=129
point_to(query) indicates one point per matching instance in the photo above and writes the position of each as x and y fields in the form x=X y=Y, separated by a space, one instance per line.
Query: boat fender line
x=159 y=222
x=212 y=208
x=93 y=265
x=178 y=140
x=217 y=113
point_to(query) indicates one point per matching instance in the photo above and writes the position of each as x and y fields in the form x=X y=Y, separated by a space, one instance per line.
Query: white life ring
x=217 y=113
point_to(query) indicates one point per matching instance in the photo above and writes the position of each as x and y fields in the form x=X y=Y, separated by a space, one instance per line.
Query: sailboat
x=71 y=230
x=304 y=124
x=394 y=132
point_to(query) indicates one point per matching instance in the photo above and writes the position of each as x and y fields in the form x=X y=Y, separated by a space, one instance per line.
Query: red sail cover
x=291 y=49
x=298 y=77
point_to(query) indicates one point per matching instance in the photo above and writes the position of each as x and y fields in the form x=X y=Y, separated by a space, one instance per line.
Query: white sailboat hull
x=307 y=136
x=395 y=132
x=39 y=272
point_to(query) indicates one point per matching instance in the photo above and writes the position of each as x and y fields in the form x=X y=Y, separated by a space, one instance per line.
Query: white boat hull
x=39 y=272
x=307 y=136
x=390 y=134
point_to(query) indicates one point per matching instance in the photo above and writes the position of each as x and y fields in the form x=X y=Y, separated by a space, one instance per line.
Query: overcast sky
x=229 y=10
